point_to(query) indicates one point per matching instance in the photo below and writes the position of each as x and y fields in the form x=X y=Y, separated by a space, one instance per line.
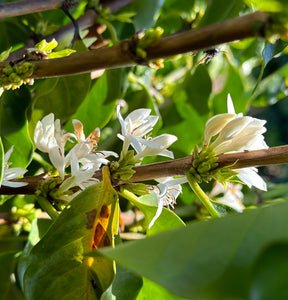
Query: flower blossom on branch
x=167 y=192
x=231 y=132
x=135 y=127
x=83 y=157
x=11 y=173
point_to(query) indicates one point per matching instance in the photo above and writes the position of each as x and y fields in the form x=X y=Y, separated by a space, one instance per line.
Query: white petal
x=250 y=177
x=230 y=105
x=158 y=212
x=8 y=154
x=14 y=184
x=214 y=125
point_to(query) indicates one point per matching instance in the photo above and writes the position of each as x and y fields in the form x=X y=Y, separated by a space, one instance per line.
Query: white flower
x=50 y=138
x=232 y=195
x=134 y=129
x=156 y=146
x=80 y=176
x=135 y=126
x=44 y=132
x=234 y=133
x=167 y=192
x=11 y=173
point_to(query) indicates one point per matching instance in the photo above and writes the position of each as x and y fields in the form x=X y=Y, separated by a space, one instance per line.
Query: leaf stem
x=46 y=206
x=201 y=195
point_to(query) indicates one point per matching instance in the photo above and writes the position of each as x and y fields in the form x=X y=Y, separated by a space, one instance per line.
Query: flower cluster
x=83 y=159
x=231 y=132
x=224 y=133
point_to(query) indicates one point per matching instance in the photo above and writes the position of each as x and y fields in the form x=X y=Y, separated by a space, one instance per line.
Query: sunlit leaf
x=89 y=221
x=61 y=95
x=23 y=147
x=99 y=105
x=209 y=259
x=148 y=204
x=4 y=55
x=151 y=290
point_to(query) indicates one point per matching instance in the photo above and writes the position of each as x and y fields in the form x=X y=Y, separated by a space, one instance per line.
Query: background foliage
x=237 y=257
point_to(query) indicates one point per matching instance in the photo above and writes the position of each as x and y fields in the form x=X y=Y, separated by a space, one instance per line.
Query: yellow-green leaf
x=57 y=267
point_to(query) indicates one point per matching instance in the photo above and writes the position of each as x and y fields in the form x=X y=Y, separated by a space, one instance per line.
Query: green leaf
x=271 y=50
x=270 y=274
x=62 y=96
x=145 y=13
x=198 y=87
x=220 y=10
x=57 y=264
x=151 y=290
x=266 y=5
x=7 y=263
x=46 y=46
x=99 y=105
x=4 y=55
x=148 y=204
x=209 y=259
x=38 y=229
x=23 y=147
x=126 y=284
x=12 y=33
x=61 y=53
x=13 y=106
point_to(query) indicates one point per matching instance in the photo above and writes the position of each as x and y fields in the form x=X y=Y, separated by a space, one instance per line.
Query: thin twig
x=271 y=156
x=121 y=55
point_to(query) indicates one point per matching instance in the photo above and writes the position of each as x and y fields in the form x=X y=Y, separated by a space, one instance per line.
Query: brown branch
x=121 y=55
x=271 y=156
x=13 y=9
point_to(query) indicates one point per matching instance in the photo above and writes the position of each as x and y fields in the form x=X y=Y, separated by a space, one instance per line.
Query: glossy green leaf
x=271 y=50
x=12 y=33
x=38 y=230
x=23 y=147
x=4 y=55
x=145 y=13
x=57 y=264
x=13 y=106
x=198 y=87
x=62 y=96
x=209 y=259
x=270 y=274
x=126 y=284
x=152 y=290
x=266 y=5
x=220 y=10
x=99 y=105
x=7 y=263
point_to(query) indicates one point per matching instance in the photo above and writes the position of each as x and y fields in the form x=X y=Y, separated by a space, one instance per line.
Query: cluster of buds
x=15 y=75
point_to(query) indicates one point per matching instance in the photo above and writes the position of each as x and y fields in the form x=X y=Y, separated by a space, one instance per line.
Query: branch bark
x=121 y=55
x=13 y=9
x=271 y=156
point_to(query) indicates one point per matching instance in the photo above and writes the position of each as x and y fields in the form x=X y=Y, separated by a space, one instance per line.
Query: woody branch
x=122 y=55
x=271 y=156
